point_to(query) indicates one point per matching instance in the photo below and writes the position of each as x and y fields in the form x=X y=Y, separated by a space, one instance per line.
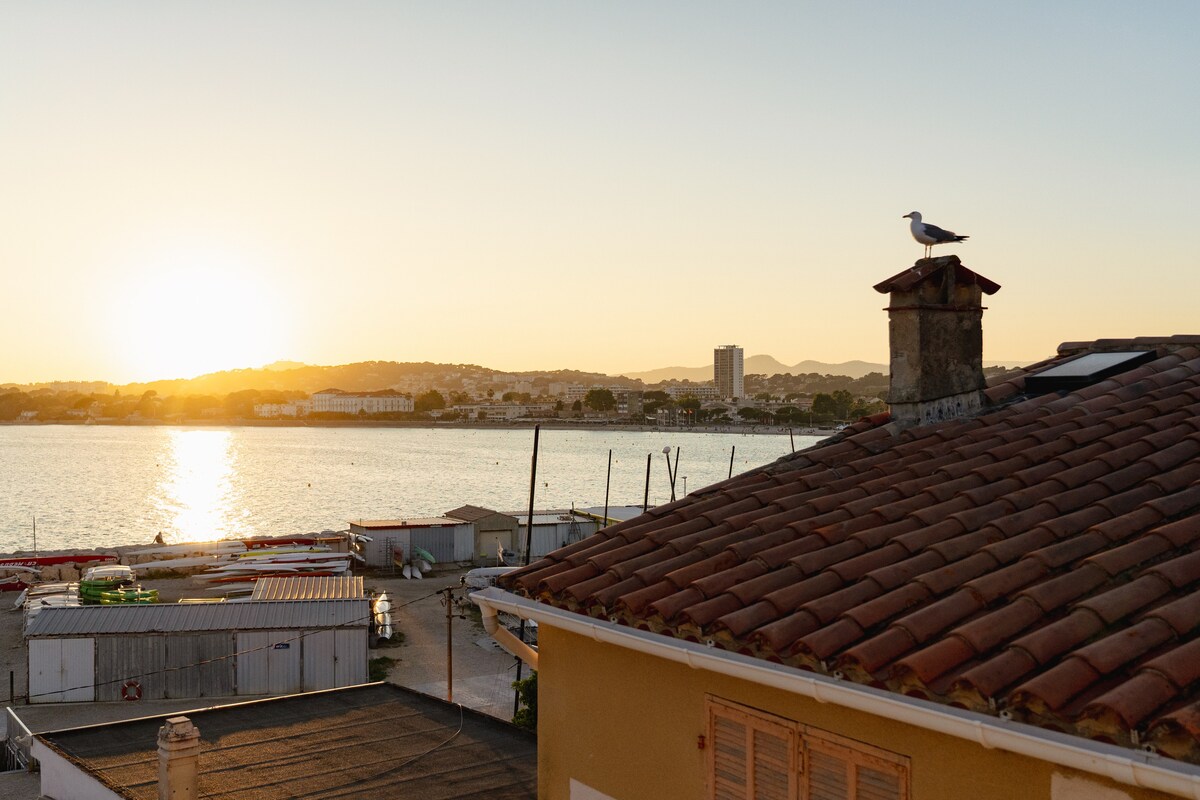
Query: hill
x=364 y=376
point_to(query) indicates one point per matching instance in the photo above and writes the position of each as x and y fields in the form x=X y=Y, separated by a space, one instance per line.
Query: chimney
x=178 y=749
x=935 y=327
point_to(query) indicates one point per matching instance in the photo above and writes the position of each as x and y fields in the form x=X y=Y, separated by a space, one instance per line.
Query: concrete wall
x=621 y=724
x=62 y=780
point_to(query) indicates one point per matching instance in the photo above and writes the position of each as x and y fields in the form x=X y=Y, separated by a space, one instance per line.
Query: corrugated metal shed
x=168 y=617
x=302 y=587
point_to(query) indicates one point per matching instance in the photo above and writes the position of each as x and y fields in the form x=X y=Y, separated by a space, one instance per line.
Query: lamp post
x=670 y=474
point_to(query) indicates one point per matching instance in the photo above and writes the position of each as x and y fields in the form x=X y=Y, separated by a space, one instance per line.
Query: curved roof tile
x=1041 y=558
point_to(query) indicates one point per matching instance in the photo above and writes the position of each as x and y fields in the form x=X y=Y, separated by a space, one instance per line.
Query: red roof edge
x=927 y=267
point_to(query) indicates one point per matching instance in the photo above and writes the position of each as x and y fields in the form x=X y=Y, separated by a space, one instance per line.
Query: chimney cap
x=929 y=267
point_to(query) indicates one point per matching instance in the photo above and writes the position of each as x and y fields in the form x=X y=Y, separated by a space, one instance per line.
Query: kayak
x=253 y=577
x=113 y=572
x=46 y=561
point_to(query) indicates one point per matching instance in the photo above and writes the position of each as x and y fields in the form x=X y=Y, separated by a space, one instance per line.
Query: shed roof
x=377 y=740
x=186 y=617
x=551 y=517
x=474 y=513
x=409 y=522
x=309 y=587
x=1041 y=558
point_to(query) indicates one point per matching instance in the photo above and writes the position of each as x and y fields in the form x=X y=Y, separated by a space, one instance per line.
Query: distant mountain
x=281 y=366
x=761 y=365
x=363 y=376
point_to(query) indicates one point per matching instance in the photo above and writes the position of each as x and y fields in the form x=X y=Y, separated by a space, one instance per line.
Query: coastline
x=569 y=425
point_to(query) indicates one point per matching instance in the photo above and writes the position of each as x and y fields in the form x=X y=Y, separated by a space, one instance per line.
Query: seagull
x=929 y=235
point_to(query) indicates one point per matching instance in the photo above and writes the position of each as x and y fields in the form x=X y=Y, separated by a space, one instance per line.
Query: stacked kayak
x=113 y=585
x=313 y=560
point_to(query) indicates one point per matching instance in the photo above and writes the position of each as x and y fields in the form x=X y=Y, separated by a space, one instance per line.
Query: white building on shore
x=297 y=408
x=697 y=390
x=382 y=402
x=504 y=411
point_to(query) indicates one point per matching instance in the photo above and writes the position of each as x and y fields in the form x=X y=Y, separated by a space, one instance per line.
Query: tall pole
x=449 y=592
x=793 y=438
x=646 y=497
x=537 y=429
x=607 y=484
x=35 y=535
x=670 y=474
x=675 y=475
x=732 y=450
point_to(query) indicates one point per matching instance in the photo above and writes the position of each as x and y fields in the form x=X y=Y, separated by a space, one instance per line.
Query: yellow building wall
x=626 y=725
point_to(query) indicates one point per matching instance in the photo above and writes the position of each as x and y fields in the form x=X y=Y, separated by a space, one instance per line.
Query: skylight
x=1086 y=370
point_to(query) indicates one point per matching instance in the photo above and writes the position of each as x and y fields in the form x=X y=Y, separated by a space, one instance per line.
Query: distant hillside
x=761 y=365
x=365 y=376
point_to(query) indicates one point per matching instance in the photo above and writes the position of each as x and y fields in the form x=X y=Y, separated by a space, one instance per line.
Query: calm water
x=91 y=486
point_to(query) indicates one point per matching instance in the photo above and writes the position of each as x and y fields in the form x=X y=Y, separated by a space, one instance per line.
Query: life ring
x=131 y=690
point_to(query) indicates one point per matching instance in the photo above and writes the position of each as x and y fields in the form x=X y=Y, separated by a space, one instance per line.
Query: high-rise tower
x=728 y=371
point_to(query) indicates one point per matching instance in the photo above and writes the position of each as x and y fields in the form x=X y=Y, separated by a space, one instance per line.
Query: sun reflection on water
x=197 y=491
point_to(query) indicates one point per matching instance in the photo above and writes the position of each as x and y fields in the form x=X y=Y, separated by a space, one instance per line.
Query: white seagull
x=929 y=235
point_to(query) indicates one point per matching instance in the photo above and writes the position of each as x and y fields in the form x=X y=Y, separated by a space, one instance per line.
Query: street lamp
x=670 y=475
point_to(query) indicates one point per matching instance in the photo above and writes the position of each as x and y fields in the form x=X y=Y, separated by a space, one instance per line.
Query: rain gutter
x=503 y=637
x=1133 y=768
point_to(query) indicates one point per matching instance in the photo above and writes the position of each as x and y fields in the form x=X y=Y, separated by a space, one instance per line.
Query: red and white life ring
x=131 y=690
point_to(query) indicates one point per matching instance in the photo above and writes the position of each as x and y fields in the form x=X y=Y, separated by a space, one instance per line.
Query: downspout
x=503 y=637
x=1147 y=770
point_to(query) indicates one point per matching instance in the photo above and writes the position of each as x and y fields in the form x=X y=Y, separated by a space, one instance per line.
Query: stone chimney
x=935 y=326
x=178 y=749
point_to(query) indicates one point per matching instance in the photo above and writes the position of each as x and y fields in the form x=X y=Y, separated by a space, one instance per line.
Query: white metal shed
x=197 y=650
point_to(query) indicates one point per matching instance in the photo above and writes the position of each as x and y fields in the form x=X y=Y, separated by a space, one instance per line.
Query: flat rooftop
x=375 y=740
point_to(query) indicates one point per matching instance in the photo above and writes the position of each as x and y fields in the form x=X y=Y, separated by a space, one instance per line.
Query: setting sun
x=183 y=316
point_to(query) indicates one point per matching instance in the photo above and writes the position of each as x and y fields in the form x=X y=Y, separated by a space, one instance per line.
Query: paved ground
x=483 y=673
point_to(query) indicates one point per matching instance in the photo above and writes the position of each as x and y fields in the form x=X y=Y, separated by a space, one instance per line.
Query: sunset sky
x=194 y=186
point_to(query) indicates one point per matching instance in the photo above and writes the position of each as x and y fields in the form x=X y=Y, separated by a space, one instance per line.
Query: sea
x=77 y=486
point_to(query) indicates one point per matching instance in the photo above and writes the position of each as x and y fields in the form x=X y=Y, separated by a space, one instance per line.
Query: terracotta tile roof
x=1040 y=559
x=914 y=275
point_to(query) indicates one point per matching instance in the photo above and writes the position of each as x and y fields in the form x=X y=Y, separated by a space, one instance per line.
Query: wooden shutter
x=752 y=756
x=838 y=769
x=757 y=756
